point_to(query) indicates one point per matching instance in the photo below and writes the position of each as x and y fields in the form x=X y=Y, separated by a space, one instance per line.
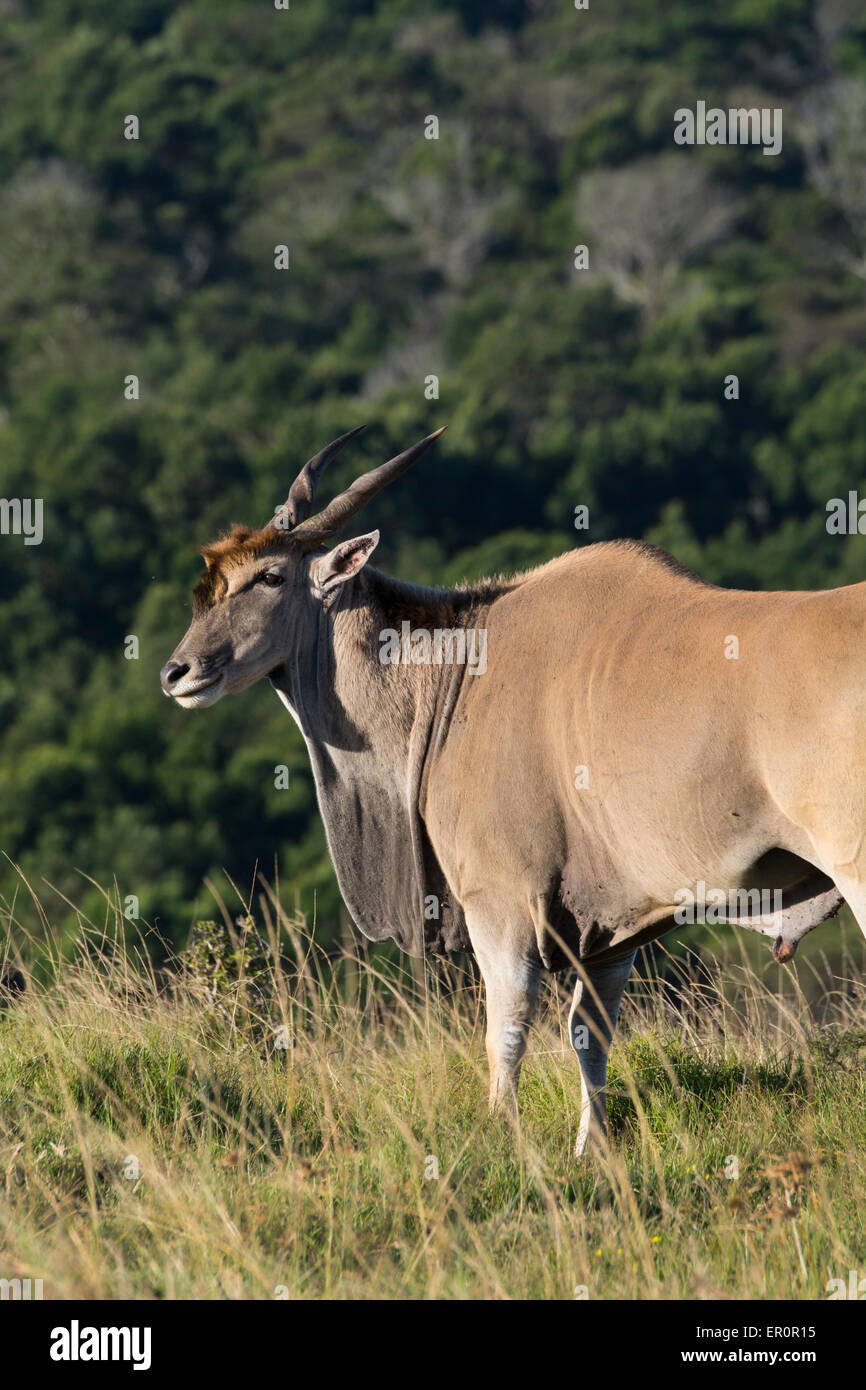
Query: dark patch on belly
x=571 y=931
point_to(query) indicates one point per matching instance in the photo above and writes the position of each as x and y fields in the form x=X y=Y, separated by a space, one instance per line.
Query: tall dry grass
x=264 y=1120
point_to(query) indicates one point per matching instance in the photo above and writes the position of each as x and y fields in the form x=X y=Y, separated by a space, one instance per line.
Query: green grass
x=306 y=1170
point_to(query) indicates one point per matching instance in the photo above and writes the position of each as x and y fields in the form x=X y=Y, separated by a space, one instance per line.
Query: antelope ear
x=344 y=561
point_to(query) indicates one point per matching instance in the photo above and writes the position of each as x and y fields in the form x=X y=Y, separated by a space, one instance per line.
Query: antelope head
x=263 y=591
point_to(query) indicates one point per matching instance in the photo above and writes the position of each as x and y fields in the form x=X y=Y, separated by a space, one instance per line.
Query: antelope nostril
x=171 y=672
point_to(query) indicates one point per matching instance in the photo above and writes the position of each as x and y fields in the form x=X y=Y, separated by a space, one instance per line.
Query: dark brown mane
x=421 y=605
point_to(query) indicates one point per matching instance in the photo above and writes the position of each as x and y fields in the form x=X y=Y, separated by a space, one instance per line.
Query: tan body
x=635 y=734
x=638 y=732
x=697 y=762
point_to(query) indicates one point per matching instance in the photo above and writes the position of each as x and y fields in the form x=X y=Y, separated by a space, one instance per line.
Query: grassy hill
x=259 y=1124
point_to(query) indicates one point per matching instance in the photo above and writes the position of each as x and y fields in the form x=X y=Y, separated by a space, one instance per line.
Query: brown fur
x=237 y=547
x=698 y=766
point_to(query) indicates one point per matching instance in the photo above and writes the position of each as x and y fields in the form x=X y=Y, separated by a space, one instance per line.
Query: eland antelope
x=634 y=732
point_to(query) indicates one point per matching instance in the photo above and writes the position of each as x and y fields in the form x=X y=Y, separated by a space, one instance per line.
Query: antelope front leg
x=591 y=1026
x=511 y=977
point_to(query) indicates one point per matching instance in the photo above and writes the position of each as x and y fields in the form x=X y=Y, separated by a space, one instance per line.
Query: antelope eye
x=273 y=581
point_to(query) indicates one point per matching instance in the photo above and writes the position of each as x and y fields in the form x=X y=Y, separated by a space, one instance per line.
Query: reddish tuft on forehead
x=242 y=544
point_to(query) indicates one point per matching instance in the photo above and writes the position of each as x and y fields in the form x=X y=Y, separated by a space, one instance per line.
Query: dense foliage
x=409 y=257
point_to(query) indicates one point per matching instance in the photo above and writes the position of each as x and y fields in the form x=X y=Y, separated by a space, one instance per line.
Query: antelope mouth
x=194 y=694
